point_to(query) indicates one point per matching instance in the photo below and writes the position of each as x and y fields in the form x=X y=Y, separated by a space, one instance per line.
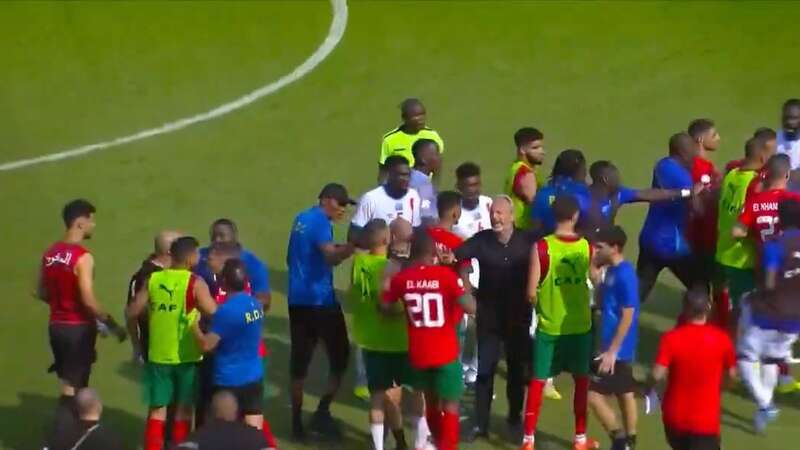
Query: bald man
x=157 y=261
x=224 y=431
x=503 y=317
x=86 y=433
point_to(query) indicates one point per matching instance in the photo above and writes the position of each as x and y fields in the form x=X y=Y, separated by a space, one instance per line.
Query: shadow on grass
x=26 y=424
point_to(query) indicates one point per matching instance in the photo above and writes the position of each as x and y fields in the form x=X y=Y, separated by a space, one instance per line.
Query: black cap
x=337 y=192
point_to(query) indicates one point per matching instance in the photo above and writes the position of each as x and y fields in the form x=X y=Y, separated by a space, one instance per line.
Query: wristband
x=685 y=193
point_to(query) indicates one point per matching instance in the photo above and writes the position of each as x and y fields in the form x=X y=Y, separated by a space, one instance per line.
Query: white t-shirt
x=470 y=222
x=791 y=148
x=377 y=204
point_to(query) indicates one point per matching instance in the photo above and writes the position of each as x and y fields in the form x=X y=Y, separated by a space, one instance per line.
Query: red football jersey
x=430 y=295
x=445 y=239
x=702 y=230
x=760 y=213
x=696 y=357
x=61 y=284
x=221 y=296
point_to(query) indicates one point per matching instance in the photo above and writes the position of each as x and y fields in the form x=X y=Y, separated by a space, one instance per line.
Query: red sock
x=580 y=402
x=722 y=309
x=180 y=429
x=532 y=406
x=783 y=368
x=268 y=435
x=434 y=416
x=154 y=434
x=449 y=432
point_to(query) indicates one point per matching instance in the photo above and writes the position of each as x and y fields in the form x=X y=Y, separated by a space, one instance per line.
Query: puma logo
x=164 y=288
x=571 y=264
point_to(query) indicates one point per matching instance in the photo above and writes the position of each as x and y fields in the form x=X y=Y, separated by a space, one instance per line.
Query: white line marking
x=335 y=34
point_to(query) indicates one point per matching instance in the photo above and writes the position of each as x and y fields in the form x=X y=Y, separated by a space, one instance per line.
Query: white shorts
x=756 y=344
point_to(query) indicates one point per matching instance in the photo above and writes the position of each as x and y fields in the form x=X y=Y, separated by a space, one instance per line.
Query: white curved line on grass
x=335 y=34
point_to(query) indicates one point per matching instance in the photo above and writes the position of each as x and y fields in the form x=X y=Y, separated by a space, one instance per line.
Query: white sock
x=422 y=432
x=769 y=379
x=528 y=438
x=751 y=375
x=376 y=429
x=580 y=438
x=361 y=369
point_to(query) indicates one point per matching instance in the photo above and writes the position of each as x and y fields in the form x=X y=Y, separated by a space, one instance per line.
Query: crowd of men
x=445 y=284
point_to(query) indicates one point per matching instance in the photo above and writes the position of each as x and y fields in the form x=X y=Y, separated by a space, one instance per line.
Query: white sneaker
x=764 y=417
x=471 y=376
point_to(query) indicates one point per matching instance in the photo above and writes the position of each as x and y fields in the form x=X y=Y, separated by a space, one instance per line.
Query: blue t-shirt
x=772 y=257
x=238 y=324
x=603 y=209
x=619 y=290
x=541 y=209
x=427 y=193
x=664 y=230
x=257 y=271
x=310 y=276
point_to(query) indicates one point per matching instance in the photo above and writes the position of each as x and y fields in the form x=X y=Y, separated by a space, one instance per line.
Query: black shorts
x=310 y=324
x=687 y=441
x=249 y=396
x=618 y=383
x=73 y=352
x=649 y=266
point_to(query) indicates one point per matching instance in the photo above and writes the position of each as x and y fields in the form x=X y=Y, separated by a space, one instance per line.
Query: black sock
x=616 y=434
x=325 y=403
x=400 y=438
x=632 y=442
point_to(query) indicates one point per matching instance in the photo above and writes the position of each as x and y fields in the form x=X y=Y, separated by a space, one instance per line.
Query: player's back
x=61 y=283
x=431 y=295
x=696 y=357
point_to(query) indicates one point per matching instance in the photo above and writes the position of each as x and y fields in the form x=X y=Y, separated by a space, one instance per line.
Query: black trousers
x=648 y=266
x=517 y=346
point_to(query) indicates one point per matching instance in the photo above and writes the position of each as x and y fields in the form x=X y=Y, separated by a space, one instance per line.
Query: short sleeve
x=772 y=255
x=627 y=195
x=664 y=354
x=516 y=185
x=747 y=218
x=543 y=252
x=415 y=203
x=729 y=355
x=628 y=289
x=320 y=233
x=670 y=175
x=258 y=274
x=219 y=322
x=456 y=285
x=364 y=212
x=392 y=295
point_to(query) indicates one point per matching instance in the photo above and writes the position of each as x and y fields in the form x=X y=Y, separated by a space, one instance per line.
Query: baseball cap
x=337 y=192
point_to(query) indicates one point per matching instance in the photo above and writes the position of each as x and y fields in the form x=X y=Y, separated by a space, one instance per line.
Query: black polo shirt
x=502 y=295
x=222 y=435
x=89 y=434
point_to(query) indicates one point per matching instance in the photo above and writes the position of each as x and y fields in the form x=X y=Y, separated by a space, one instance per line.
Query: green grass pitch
x=613 y=79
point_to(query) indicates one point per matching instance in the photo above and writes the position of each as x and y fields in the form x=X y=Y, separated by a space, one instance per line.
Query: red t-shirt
x=696 y=356
x=446 y=241
x=61 y=284
x=760 y=214
x=430 y=295
x=702 y=229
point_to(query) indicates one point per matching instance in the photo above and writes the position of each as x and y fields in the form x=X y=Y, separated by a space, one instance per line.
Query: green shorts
x=445 y=381
x=167 y=384
x=386 y=370
x=567 y=353
x=739 y=281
